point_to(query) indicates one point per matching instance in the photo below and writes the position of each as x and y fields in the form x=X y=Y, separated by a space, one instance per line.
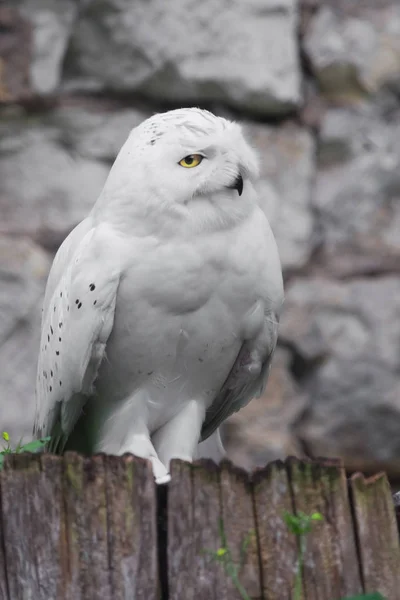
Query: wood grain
x=278 y=549
x=132 y=543
x=87 y=526
x=181 y=549
x=378 y=536
x=4 y=592
x=331 y=568
x=210 y=578
x=146 y=531
x=31 y=528
x=74 y=528
x=240 y=528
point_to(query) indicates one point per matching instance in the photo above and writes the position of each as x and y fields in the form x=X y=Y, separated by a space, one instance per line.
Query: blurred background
x=316 y=84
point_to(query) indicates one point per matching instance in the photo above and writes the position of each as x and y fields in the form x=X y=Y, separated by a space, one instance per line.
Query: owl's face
x=186 y=158
x=196 y=154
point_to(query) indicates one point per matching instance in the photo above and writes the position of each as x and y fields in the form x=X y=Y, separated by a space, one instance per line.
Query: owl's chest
x=179 y=314
x=181 y=277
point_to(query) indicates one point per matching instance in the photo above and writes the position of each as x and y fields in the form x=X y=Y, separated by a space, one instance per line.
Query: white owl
x=161 y=310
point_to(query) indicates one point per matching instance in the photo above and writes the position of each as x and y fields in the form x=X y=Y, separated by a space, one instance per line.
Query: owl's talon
x=163 y=480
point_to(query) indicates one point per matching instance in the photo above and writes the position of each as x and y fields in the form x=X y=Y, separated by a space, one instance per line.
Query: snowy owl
x=161 y=309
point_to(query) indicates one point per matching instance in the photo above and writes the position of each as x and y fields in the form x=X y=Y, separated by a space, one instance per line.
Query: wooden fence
x=98 y=528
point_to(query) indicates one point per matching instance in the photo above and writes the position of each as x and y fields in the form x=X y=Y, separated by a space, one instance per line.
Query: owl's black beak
x=237 y=184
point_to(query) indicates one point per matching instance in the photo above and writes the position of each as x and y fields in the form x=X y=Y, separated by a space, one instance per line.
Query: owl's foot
x=140 y=445
x=179 y=437
x=164 y=479
x=160 y=473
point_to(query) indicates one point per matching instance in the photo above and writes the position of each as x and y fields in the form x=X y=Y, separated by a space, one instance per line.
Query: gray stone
x=357 y=190
x=242 y=53
x=44 y=184
x=263 y=430
x=15 y=55
x=354 y=47
x=23 y=271
x=346 y=338
x=287 y=160
x=94 y=132
x=52 y=24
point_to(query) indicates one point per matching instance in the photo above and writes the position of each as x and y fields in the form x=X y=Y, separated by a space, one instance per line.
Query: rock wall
x=317 y=86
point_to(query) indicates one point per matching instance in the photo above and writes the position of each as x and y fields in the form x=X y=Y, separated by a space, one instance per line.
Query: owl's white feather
x=161 y=309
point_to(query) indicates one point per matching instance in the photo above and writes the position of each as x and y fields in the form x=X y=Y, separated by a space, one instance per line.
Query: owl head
x=186 y=161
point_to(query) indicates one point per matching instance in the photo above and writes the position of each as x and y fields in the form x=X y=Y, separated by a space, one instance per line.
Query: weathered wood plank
x=86 y=518
x=53 y=553
x=72 y=494
x=378 y=536
x=331 y=567
x=278 y=549
x=132 y=542
x=31 y=521
x=239 y=526
x=4 y=595
x=145 y=500
x=84 y=529
x=194 y=514
x=20 y=563
x=123 y=521
x=181 y=550
x=210 y=580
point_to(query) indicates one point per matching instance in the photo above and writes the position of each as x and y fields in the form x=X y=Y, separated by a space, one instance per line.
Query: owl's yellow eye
x=193 y=160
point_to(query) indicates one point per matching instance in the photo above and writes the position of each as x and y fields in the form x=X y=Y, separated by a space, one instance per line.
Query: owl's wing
x=77 y=321
x=247 y=378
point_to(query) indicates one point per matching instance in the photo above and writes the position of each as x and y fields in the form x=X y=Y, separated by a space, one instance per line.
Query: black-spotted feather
x=75 y=327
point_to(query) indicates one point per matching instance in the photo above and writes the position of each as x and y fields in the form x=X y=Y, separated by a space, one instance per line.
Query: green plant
x=33 y=446
x=300 y=525
x=224 y=556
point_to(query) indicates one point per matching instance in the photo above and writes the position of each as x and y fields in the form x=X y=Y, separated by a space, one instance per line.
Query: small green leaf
x=34 y=445
x=291 y=521
x=243 y=549
x=221 y=551
x=317 y=516
x=5 y=436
